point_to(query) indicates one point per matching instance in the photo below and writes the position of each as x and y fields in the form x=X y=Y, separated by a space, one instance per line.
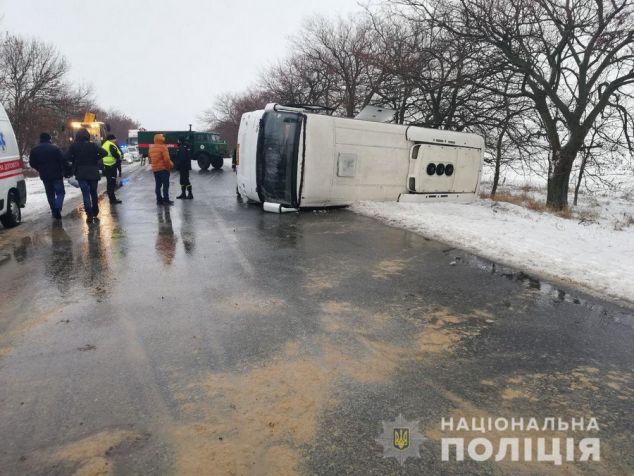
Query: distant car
x=12 y=185
x=133 y=149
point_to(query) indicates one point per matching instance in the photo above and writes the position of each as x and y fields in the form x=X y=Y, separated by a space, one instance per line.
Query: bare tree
x=118 y=122
x=603 y=156
x=31 y=83
x=572 y=58
x=341 y=49
x=509 y=135
x=298 y=80
x=433 y=71
x=224 y=117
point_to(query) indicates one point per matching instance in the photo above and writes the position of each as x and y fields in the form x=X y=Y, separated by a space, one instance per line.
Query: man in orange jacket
x=161 y=166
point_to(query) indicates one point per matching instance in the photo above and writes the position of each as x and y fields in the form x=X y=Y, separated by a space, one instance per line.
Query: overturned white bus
x=289 y=158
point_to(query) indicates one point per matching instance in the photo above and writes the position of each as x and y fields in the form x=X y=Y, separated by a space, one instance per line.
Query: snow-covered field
x=594 y=249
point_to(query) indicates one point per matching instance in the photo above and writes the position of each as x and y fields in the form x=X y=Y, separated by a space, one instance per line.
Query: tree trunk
x=496 y=177
x=558 y=182
x=582 y=168
x=498 y=160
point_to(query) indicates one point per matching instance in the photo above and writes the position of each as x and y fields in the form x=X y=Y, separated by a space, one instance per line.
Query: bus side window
x=414 y=152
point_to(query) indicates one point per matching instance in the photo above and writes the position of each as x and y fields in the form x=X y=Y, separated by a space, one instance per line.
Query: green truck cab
x=208 y=149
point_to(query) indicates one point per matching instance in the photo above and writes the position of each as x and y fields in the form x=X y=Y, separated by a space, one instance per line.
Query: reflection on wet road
x=211 y=338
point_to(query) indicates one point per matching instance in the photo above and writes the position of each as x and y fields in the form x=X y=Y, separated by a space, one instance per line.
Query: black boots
x=186 y=192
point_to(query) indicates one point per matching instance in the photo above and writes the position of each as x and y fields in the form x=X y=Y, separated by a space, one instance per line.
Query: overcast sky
x=163 y=61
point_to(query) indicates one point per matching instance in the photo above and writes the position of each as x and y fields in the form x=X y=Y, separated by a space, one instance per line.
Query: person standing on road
x=184 y=165
x=161 y=166
x=85 y=157
x=49 y=161
x=111 y=165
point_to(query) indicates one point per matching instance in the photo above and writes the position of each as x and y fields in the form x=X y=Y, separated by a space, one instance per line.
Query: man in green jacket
x=111 y=165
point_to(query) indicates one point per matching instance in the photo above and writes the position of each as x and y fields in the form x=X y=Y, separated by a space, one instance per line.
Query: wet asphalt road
x=211 y=338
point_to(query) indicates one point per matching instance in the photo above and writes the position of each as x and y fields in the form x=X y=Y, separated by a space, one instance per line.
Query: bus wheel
x=217 y=162
x=203 y=161
x=13 y=216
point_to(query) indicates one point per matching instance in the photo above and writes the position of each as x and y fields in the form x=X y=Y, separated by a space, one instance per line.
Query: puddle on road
x=547 y=290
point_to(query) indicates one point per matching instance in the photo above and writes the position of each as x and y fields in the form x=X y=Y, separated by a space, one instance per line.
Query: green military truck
x=207 y=147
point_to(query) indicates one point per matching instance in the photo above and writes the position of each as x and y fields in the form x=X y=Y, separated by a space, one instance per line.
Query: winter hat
x=82 y=135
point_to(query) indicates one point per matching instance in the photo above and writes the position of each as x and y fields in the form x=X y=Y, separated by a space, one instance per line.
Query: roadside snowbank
x=36 y=203
x=593 y=255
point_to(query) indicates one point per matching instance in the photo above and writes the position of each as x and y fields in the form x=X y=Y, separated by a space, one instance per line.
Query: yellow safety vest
x=109 y=159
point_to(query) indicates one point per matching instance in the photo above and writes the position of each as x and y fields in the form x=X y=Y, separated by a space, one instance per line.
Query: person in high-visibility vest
x=111 y=165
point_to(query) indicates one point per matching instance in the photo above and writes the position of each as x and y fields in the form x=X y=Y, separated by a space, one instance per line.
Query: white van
x=12 y=185
x=133 y=145
x=289 y=158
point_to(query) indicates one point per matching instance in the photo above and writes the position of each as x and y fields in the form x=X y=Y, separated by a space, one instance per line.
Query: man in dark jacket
x=49 y=161
x=184 y=165
x=85 y=157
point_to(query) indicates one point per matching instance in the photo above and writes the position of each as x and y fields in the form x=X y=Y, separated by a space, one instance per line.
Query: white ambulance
x=289 y=158
x=12 y=185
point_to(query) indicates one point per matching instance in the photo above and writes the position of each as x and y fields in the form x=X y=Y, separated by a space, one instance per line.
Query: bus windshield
x=278 y=148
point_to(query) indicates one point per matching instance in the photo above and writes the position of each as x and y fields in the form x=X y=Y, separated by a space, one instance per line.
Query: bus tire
x=13 y=216
x=217 y=162
x=203 y=161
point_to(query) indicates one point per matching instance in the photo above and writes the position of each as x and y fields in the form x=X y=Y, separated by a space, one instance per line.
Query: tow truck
x=96 y=129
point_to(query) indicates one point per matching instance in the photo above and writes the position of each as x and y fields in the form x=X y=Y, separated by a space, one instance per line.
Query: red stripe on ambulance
x=10 y=165
x=2 y=177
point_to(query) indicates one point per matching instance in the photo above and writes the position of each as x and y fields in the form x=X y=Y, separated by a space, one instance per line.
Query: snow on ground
x=36 y=203
x=596 y=252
